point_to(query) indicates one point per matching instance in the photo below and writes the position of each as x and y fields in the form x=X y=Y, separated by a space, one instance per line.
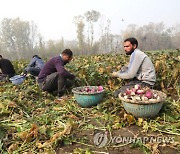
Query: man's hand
x=77 y=81
x=124 y=69
x=114 y=74
x=25 y=72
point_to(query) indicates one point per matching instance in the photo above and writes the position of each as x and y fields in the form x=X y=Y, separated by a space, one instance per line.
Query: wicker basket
x=86 y=99
x=144 y=109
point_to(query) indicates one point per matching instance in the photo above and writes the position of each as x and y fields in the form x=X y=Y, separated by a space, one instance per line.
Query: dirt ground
x=130 y=131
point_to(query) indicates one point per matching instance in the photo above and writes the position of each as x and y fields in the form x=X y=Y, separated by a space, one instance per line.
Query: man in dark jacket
x=7 y=69
x=53 y=76
x=35 y=66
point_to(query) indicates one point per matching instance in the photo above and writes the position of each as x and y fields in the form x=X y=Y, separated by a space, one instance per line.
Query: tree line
x=20 y=39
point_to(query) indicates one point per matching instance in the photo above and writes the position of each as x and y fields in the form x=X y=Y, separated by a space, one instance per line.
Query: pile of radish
x=137 y=93
x=90 y=89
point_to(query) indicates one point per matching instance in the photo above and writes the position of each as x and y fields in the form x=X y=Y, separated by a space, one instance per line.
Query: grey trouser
x=33 y=71
x=131 y=84
x=56 y=82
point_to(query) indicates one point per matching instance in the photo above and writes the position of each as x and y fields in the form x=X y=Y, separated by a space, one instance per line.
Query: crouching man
x=6 y=69
x=140 y=69
x=35 y=66
x=53 y=76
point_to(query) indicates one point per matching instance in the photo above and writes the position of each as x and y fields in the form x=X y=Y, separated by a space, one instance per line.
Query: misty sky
x=54 y=18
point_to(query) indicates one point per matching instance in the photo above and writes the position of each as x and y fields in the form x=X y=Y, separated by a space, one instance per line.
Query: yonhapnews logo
x=101 y=139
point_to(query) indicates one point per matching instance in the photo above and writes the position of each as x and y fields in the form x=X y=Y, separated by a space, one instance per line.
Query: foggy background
x=86 y=26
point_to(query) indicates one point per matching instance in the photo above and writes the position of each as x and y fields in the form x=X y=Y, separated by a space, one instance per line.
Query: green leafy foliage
x=35 y=121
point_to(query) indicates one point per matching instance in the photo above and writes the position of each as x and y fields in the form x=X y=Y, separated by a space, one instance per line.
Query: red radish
x=133 y=90
x=100 y=88
x=149 y=94
x=137 y=86
x=128 y=92
x=92 y=90
x=140 y=92
x=87 y=89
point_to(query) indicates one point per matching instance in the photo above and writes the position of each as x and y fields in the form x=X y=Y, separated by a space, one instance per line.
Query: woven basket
x=86 y=99
x=144 y=109
x=162 y=97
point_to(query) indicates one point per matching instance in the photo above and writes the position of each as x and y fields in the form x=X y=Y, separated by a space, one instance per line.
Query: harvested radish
x=128 y=92
x=87 y=89
x=133 y=93
x=144 y=98
x=149 y=94
x=126 y=97
x=137 y=86
x=100 y=88
x=93 y=89
x=134 y=90
x=140 y=92
x=137 y=93
x=137 y=98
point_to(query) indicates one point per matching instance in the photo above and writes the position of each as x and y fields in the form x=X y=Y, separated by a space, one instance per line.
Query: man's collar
x=62 y=59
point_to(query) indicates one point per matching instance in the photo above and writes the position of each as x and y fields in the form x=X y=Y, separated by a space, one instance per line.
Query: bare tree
x=106 y=38
x=151 y=36
x=78 y=21
x=18 y=37
x=91 y=17
x=174 y=32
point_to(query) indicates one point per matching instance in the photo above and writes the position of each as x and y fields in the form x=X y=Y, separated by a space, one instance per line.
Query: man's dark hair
x=132 y=40
x=0 y=56
x=36 y=56
x=68 y=52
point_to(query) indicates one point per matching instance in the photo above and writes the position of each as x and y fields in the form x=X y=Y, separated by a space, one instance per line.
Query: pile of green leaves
x=34 y=121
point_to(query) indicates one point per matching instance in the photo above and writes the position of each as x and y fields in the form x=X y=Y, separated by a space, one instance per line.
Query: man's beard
x=129 y=53
x=66 y=62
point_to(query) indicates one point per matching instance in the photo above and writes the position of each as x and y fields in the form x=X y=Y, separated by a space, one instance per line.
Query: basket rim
x=162 y=95
x=86 y=93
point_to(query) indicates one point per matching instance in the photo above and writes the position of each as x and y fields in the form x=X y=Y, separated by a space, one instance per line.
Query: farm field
x=33 y=121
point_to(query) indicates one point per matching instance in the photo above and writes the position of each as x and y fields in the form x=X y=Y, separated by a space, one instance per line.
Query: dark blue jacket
x=36 y=62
